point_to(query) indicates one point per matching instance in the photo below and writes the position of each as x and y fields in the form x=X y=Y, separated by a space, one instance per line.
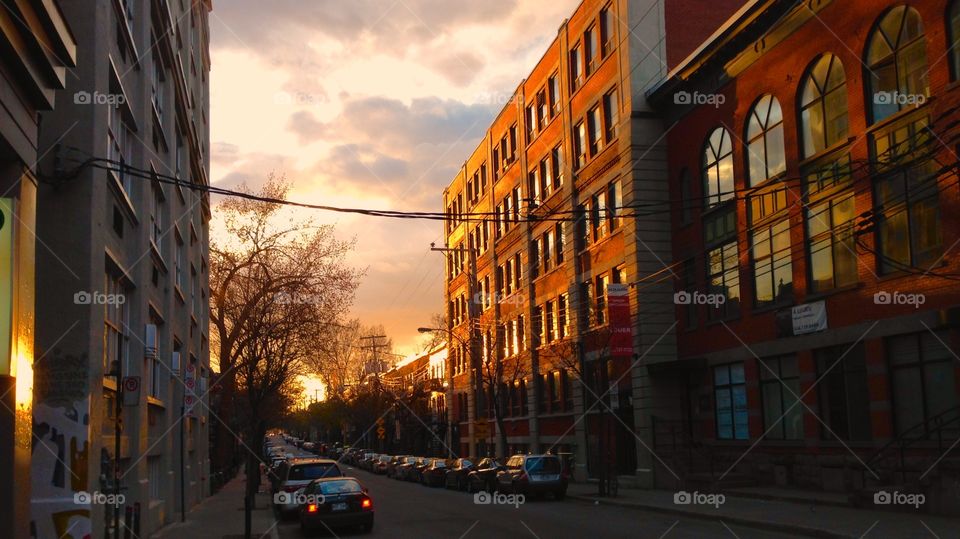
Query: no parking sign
x=131 y=390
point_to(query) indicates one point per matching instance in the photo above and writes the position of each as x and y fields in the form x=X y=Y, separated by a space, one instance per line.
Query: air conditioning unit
x=175 y=363
x=150 y=342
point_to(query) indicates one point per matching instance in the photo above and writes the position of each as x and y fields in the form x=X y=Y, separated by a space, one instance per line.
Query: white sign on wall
x=809 y=318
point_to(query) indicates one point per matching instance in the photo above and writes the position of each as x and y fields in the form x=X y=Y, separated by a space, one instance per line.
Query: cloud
x=383 y=122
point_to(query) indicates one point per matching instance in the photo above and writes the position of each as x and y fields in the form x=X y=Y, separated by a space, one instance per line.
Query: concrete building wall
x=145 y=236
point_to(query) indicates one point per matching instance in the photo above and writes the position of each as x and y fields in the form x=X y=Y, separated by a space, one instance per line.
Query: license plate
x=338 y=507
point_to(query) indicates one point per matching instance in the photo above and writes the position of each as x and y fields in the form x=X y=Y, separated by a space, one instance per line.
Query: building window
x=923 y=379
x=607 y=26
x=550 y=322
x=576 y=69
x=779 y=389
x=553 y=91
x=591 y=46
x=156 y=218
x=823 y=106
x=154 y=477
x=832 y=244
x=600 y=293
x=844 y=396
x=579 y=145
x=730 y=394
x=118 y=147
x=907 y=203
x=561 y=316
x=116 y=320
x=954 y=21
x=765 y=150
x=156 y=86
x=723 y=277
x=611 y=115
x=718 y=167
x=596 y=130
x=772 y=264
x=897 y=63
x=559 y=243
x=599 y=218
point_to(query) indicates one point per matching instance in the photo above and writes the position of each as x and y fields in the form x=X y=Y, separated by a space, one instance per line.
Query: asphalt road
x=411 y=510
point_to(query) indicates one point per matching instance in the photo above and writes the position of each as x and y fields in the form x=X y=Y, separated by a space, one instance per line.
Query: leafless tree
x=277 y=287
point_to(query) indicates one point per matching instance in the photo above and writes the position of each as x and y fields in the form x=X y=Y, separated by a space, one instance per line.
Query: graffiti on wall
x=61 y=448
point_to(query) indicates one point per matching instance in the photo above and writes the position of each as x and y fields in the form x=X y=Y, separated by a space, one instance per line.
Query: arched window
x=765 y=140
x=718 y=167
x=897 y=63
x=823 y=105
x=953 y=19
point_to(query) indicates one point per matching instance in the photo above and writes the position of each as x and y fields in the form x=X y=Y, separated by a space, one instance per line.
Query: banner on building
x=621 y=329
x=802 y=319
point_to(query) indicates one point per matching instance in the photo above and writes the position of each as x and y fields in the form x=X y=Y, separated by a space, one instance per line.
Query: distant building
x=418 y=422
x=122 y=265
x=527 y=282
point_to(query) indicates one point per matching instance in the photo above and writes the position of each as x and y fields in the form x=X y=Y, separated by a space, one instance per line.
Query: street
x=405 y=509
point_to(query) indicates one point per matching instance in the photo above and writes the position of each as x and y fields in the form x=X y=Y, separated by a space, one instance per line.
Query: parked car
x=434 y=475
x=484 y=476
x=366 y=462
x=457 y=474
x=380 y=465
x=416 y=470
x=298 y=475
x=395 y=462
x=335 y=502
x=532 y=475
x=403 y=470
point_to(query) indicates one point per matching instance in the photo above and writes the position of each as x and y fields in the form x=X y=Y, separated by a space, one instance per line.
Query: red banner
x=621 y=328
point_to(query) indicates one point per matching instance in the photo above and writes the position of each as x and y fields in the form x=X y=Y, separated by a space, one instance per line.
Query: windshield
x=345 y=486
x=549 y=465
x=313 y=471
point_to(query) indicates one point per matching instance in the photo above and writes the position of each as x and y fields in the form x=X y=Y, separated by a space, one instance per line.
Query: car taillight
x=367 y=503
x=290 y=488
x=312 y=508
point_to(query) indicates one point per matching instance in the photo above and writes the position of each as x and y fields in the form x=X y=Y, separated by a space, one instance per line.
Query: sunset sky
x=369 y=103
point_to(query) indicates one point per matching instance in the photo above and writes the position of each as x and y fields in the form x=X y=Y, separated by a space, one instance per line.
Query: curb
x=746 y=522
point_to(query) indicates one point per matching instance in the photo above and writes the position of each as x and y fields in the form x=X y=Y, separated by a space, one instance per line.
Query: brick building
x=535 y=236
x=814 y=197
x=418 y=423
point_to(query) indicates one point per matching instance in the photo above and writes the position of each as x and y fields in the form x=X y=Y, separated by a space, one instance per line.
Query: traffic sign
x=131 y=390
x=381 y=433
x=481 y=430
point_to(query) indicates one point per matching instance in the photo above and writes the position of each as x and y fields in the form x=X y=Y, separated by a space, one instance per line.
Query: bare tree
x=277 y=287
x=501 y=367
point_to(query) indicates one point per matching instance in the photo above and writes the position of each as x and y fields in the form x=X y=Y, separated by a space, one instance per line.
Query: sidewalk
x=812 y=519
x=221 y=516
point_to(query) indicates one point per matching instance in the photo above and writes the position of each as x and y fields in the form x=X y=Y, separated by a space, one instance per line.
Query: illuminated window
x=765 y=150
x=897 y=63
x=823 y=105
x=718 y=167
